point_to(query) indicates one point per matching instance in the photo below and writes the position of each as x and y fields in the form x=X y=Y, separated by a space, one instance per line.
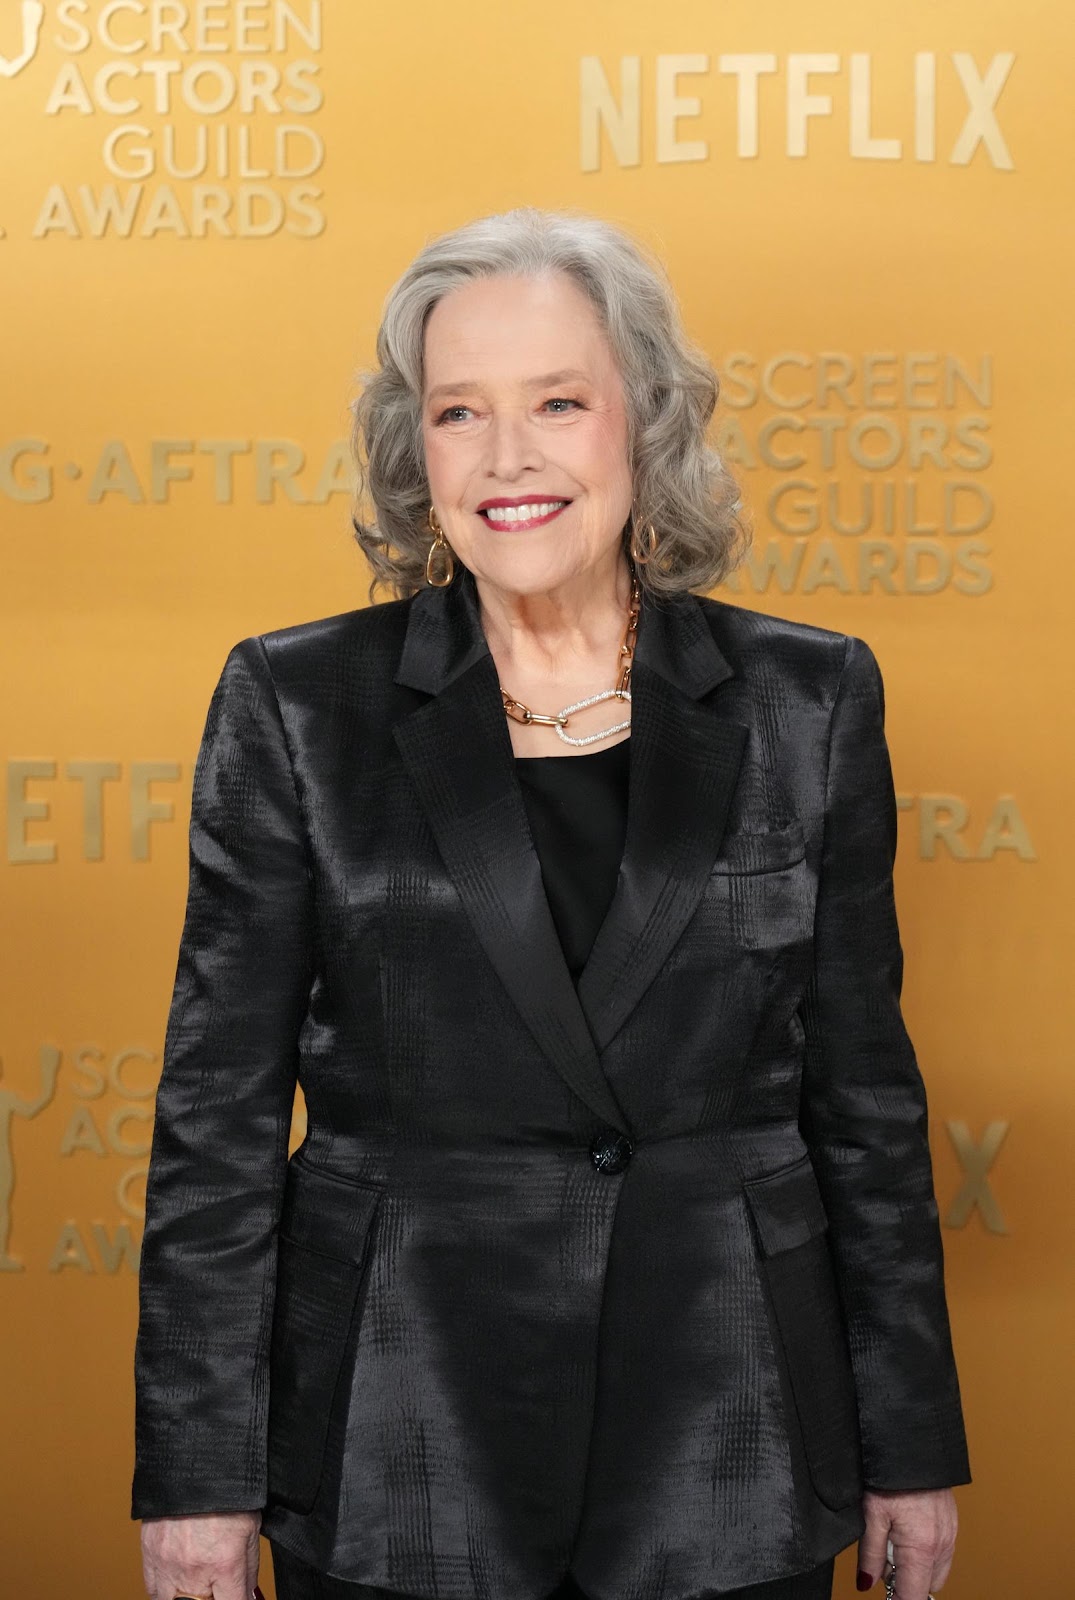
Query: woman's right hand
x=212 y=1553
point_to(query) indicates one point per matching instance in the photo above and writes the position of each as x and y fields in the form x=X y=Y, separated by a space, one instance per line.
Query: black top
x=577 y=806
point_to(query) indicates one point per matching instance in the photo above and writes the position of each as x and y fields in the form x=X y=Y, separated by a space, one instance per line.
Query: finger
x=913 y=1574
x=231 y=1586
x=159 y=1585
x=253 y=1563
x=941 y=1568
x=232 y=1580
x=192 y=1581
x=872 y=1547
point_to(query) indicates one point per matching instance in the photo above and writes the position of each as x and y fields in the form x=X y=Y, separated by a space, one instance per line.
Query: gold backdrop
x=201 y=210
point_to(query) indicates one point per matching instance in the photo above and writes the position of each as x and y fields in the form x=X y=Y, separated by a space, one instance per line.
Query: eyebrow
x=566 y=375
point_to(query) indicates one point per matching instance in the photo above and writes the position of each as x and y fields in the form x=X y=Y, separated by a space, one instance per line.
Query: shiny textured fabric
x=451 y=1352
x=294 y=1580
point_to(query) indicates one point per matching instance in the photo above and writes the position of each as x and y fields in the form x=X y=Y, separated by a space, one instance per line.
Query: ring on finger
x=889 y=1581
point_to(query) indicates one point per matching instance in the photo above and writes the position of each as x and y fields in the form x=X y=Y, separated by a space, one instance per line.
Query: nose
x=511 y=448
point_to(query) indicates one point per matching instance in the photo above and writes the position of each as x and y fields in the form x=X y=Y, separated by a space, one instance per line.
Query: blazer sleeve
x=223 y=1111
x=864 y=1117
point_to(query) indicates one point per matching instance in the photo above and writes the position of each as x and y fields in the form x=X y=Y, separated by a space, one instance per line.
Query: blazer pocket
x=326 y=1229
x=808 y=1327
x=761 y=852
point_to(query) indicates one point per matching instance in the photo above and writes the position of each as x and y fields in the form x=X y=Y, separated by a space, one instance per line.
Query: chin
x=532 y=571
x=543 y=583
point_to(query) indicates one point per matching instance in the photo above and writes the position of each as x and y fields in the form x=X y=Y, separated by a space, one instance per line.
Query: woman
x=610 y=1262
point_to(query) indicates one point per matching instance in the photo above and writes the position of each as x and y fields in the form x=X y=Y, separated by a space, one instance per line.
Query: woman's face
x=525 y=432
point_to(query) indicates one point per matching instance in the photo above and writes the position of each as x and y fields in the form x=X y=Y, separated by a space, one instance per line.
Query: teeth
x=541 y=508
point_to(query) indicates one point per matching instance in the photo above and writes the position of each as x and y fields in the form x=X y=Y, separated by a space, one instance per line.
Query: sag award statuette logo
x=33 y=15
x=11 y=1106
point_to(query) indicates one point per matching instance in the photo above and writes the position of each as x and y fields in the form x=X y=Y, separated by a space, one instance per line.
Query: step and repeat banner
x=866 y=214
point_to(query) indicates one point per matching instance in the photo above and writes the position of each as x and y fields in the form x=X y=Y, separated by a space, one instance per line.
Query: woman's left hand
x=922 y=1526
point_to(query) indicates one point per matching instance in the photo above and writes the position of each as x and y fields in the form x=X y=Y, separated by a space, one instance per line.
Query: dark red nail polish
x=863 y=1581
x=257 y=1593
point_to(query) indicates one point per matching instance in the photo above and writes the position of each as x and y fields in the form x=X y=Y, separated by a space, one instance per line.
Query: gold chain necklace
x=559 y=719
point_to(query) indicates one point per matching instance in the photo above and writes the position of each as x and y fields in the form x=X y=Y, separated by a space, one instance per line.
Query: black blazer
x=645 y=1277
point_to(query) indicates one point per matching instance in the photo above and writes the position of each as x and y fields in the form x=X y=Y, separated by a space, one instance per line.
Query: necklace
x=559 y=719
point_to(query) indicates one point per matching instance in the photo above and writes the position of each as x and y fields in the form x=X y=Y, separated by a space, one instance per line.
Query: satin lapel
x=685 y=761
x=458 y=752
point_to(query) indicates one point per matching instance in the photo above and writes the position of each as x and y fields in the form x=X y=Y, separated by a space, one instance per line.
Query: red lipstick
x=515 y=503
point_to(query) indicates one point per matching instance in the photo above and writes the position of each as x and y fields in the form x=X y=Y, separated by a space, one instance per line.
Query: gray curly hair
x=681 y=485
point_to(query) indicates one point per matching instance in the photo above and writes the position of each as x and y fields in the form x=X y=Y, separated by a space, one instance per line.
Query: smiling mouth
x=532 y=515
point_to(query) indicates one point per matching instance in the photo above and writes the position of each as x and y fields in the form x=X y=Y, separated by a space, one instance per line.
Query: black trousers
x=296 y=1581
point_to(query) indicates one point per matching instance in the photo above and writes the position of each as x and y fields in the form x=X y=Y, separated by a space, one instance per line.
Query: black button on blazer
x=446 y=1347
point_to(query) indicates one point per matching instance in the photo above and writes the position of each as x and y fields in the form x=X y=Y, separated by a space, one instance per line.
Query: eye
x=446 y=415
x=562 y=400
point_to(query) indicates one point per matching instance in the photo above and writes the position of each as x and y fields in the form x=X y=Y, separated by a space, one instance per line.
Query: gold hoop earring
x=439 y=546
x=639 y=559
